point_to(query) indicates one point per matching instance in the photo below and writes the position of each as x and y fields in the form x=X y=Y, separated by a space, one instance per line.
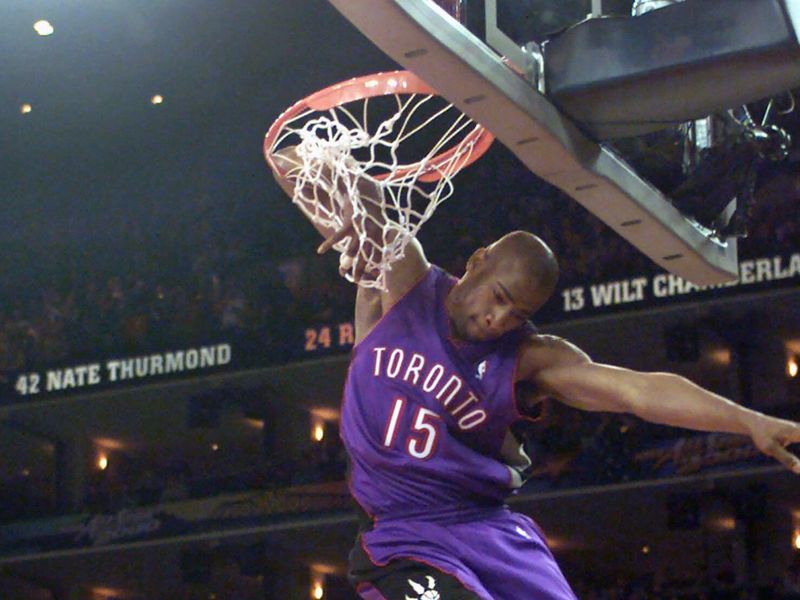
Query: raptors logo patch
x=422 y=592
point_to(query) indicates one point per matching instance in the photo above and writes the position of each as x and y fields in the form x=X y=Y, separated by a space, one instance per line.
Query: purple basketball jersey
x=423 y=419
x=424 y=416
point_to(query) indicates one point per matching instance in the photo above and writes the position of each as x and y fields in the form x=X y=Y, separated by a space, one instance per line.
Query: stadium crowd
x=148 y=291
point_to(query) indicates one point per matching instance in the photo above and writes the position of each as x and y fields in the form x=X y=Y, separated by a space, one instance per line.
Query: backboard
x=423 y=38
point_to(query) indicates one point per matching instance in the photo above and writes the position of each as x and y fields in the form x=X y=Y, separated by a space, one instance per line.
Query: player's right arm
x=404 y=273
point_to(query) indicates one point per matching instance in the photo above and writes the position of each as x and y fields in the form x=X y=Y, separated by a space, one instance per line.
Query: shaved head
x=503 y=286
x=527 y=255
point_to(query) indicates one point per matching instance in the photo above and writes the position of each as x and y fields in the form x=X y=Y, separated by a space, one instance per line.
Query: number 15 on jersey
x=423 y=435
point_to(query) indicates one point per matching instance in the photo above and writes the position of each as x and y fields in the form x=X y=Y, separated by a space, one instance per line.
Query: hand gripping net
x=380 y=150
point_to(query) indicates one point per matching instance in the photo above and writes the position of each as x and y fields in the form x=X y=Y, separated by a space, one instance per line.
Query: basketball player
x=428 y=405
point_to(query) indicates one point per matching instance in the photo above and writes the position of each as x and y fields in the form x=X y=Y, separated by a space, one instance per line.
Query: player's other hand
x=772 y=436
x=362 y=255
x=354 y=255
x=350 y=251
x=346 y=229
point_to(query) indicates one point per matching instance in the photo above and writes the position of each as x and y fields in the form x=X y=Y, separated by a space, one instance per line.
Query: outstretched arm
x=664 y=398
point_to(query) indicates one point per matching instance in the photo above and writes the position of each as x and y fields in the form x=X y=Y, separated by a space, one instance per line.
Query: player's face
x=496 y=299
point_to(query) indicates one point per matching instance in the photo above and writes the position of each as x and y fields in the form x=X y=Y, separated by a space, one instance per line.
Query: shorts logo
x=481 y=370
x=422 y=593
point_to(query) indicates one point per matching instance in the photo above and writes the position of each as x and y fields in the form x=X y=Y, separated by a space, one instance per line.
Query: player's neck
x=450 y=302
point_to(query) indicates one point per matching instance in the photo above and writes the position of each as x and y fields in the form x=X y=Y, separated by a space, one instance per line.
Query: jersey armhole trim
x=394 y=306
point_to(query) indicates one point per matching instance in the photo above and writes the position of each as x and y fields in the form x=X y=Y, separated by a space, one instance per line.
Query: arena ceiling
x=94 y=153
x=94 y=150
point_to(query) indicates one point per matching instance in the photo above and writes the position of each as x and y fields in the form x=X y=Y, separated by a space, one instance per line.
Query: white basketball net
x=389 y=201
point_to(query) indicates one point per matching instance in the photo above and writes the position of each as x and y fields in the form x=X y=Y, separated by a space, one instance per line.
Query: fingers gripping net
x=333 y=189
x=382 y=164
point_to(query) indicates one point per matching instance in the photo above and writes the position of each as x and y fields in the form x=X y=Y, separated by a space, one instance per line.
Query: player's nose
x=495 y=318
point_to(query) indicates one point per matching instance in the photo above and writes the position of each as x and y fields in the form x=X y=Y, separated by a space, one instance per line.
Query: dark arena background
x=172 y=350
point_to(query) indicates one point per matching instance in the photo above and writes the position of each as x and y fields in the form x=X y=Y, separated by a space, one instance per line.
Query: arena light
x=796 y=541
x=791 y=366
x=317 y=574
x=645 y=549
x=157 y=99
x=723 y=523
x=108 y=443
x=318 y=418
x=317 y=591
x=325 y=413
x=215 y=447
x=43 y=28
x=102 y=462
x=253 y=423
x=25 y=109
x=557 y=544
x=106 y=593
x=720 y=356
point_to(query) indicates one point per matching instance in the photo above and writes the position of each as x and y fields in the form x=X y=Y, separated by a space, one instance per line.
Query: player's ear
x=476 y=259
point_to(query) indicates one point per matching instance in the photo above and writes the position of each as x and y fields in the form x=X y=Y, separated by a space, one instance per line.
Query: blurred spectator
x=204 y=284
